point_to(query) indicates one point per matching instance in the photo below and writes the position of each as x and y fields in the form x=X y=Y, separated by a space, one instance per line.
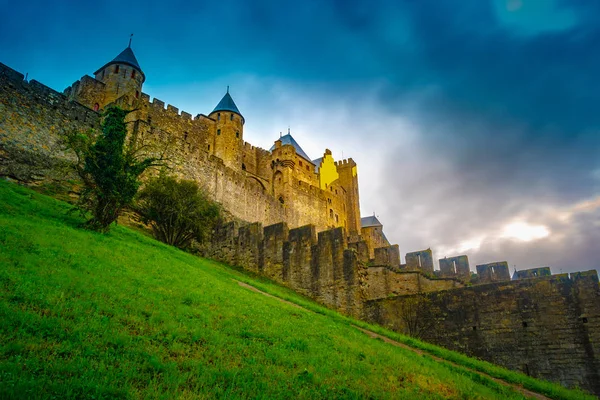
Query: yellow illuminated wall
x=327 y=171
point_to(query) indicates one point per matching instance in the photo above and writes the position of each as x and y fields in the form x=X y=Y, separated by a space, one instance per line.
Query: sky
x=475 y=124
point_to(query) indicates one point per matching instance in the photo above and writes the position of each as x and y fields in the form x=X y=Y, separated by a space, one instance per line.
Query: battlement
x=249 y=147
x=170 y=111
x=10 y=74
x=532 y=273
x=493 y=272
x=345 y=163
x=52 y=99
x=420 y=261
x=318 y=265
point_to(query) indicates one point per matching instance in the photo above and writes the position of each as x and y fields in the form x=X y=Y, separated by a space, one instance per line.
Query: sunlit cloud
x=524 y=231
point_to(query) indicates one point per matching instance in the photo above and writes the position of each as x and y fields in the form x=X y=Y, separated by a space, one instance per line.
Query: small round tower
x=122 y=76
x=229 y=132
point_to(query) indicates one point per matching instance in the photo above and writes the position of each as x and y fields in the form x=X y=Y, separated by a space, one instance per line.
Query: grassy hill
x=87 y=315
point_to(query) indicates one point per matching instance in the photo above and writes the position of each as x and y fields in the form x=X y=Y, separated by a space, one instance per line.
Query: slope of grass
x=86 y=315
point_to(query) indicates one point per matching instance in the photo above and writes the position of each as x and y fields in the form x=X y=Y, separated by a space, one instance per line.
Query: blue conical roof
x=288 y=139
x=124 y=57
x=227 y=104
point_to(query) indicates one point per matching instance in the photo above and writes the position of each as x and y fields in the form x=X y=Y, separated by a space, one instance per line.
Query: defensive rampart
x=320 y=266
x=547 y=327
x=33 y=122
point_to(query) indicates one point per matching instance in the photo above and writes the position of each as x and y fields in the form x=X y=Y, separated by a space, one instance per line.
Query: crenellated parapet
x=320 y=265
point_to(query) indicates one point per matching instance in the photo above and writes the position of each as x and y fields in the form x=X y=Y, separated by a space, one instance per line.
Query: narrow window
x=231 y=117
x=300 y=163
x=218 y=132
x=117 y=69
x=96 y=107
x=584 y=320
x=237 y=134
x=336 y=218
x=209 y=147
x=281 y=199
x=218 y=116
x=243 y=167
x=524 y=324
x=103 y=71
x=330 y=213
x=124 y=73
x=185 y=135
x=299 y=183
x=329 y=201
x=137 y=94
x=133 y=73
x=307 y=168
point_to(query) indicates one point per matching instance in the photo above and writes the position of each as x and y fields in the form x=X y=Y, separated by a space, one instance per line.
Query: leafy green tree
x=178 y=211
x=109 y=168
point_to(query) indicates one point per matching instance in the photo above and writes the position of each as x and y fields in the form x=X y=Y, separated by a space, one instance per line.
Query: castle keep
x=255 y=185
x=297 y=221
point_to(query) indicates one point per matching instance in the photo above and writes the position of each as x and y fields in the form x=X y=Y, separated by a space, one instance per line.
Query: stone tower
x=283 y=156
x=349 y=180
x=121 y=76
x=229 y=132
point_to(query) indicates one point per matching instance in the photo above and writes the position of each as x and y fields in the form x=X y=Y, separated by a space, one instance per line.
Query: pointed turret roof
x=124 y=57
x=371 y=220
x=288 y=139
x=227 y=104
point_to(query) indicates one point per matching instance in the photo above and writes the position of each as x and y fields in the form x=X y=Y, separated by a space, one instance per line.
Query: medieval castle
x=297 y=221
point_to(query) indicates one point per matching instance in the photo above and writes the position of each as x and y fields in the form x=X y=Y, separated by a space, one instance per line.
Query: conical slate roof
x=125 y=57
x=371 y=220
x=227 y=104
x=288 y=139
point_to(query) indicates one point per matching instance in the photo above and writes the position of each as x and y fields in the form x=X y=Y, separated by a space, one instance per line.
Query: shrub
x=178 y=211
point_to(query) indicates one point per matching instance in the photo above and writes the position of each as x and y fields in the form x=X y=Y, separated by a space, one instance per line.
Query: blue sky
x=474 y=123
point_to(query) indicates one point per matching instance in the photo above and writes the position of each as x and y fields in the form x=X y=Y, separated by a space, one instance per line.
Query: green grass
x=87 y=315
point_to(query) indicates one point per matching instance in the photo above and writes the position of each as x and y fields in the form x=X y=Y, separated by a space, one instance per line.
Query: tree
x=415 y=313
x=178 y=211
x=109 y=168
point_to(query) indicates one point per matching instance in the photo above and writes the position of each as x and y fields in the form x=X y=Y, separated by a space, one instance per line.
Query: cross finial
x=130 y=37
x=288 y=129
x=227 y=88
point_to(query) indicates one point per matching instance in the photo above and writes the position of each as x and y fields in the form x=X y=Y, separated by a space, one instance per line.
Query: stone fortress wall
x=546 y=326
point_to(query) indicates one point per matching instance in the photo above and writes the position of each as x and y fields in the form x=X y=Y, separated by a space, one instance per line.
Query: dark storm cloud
x=509 y=127
x=507 y=118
